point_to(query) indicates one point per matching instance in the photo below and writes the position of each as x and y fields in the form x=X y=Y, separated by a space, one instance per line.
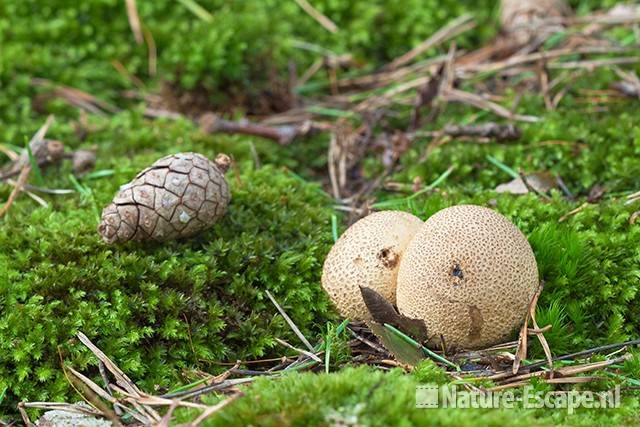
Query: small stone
x=61 y=418
x=177 y=196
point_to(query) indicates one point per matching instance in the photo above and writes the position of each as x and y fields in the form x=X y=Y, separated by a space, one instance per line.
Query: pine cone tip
x=223 y=162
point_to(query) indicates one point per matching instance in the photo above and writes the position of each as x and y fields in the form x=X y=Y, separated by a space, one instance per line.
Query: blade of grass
x=333 y=112
x=342 y=326
x=35 y=168
x=188 y=386
x=81 y=189
x=100 y=174
x=86 y=193
x=340 y=329
x=503 y=167
x=327 y=348
x=425 y=350
x=197 y=10
x=398 y=202
x=334 y=227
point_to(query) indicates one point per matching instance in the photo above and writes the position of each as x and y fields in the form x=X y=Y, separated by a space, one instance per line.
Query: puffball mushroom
x=177 y=196
x=367 y=254
x=470 y=274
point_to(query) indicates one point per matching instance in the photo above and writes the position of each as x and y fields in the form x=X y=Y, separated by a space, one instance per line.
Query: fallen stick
x=326 y=23
x=489 y=130
x=454 y=28
x=25 y=169
x=537 y=56
x=44 y=152
x=283 y=135
x=456 y=95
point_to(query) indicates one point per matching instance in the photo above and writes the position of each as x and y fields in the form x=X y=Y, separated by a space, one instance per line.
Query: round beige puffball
x=367 y=254
x=470 y=274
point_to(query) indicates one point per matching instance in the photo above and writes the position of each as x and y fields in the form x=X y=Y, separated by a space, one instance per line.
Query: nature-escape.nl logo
x=448 y=396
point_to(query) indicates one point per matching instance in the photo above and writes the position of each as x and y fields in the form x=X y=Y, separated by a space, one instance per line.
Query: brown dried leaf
x=382 y=311
x=400 y=349
x=521 y=353
x=540 y=181
x=596 y=193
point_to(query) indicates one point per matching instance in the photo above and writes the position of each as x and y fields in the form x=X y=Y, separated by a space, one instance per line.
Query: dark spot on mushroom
x=475 y=326
x=457 y=271
x=457 y=274
x=388 y=258
x=358 y=261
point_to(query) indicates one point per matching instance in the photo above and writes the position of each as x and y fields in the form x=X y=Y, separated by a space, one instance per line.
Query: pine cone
x=177 y=196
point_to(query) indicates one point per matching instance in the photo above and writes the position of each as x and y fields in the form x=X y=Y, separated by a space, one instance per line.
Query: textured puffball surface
x=470 y=274
x=367 y=254
x=177 y=196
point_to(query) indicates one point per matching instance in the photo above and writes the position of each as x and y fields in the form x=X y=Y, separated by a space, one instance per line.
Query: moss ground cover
x=363 y=396
x=162 y=311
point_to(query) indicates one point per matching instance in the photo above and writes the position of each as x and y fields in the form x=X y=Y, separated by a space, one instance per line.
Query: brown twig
x=36 y=141
x=22 y=179
x=213 y=409
x=134 y=20
x=452 y=29
x=456 y=95
x=326 y=23
x=77 y=97
x=152 y=55
x=521 y=353
x=290 y=322
x=284 y=135
x=490 y=130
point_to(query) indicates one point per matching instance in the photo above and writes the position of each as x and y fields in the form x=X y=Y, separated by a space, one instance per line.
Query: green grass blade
x=334 y=227
x=37 y=172
x=197 y=10
x=395 y=203
x=327 y=348
x=425 y=350
x=100 y=174
x=503 y=167
x=332 y=112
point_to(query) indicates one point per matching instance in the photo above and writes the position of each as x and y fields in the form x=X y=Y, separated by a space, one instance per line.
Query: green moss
x=241 y=54
x=156 y=309
x=162 y=310
x=365 y=396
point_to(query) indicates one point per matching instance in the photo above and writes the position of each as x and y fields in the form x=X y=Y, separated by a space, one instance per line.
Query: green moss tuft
x=162 y=308
x=369 y=397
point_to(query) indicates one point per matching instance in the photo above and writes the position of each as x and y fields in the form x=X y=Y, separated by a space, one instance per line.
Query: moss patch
x=157 y=309
x=364 y=396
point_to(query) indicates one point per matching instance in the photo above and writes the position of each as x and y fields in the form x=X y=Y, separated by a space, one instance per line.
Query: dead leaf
x=596 y=193
x=399 y=348
x=539 y=181
x=384 y=312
